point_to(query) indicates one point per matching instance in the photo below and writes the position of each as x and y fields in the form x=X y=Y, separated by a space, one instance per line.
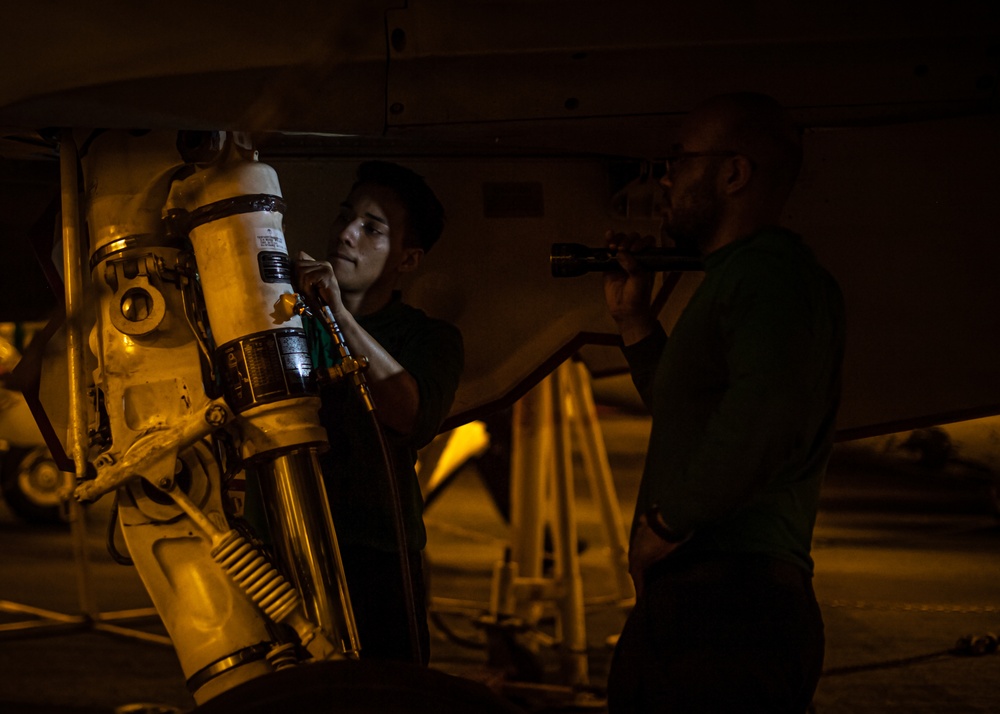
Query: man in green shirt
x=743 y=397
x=389 y=220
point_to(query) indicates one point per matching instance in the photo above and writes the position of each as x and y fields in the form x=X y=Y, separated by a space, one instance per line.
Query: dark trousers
x=379 y=603
x=715 y=633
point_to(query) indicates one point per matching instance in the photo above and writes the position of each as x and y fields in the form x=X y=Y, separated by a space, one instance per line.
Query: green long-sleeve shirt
x=431 y=351
x=743 y=397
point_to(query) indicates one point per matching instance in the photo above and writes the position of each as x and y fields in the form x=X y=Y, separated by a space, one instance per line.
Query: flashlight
x=568 y=260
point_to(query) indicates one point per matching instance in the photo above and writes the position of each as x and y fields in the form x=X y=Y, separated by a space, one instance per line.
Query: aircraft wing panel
x=541 y=74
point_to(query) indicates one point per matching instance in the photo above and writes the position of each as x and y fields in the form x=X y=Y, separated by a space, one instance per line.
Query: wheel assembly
x=31 y=483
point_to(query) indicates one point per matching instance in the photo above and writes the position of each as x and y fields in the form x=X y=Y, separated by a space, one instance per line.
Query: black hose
x=968 y=646
x=888 y=664
x=364 y=394
x=401 y=542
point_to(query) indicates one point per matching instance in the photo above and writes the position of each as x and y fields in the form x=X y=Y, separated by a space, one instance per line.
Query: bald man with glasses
x=743 y=396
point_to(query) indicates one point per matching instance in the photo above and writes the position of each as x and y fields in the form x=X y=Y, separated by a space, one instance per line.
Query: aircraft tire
x=30 y=482
x=359 y=687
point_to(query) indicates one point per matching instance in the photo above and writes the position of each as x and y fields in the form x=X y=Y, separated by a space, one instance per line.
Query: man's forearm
x=636 y=328
x=394 y=390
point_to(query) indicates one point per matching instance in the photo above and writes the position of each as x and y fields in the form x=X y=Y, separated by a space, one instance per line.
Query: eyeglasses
x=668 y=164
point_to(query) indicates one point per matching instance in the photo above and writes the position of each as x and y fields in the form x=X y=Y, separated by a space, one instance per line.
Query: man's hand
x=317 y=283
x=394 y=389
x=629 y=292
x=646 y=549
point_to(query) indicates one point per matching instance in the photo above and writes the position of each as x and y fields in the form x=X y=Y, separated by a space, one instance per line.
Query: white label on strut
x=271 y=240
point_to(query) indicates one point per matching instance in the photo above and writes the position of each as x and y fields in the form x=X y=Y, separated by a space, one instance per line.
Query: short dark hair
x=424 y=212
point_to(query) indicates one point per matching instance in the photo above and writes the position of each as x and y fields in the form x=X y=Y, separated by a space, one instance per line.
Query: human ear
x=410 y=260
x=739 y=174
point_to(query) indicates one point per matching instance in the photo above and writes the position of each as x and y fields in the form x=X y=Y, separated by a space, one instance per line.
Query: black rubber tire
x=359 y=687
x=39 y=507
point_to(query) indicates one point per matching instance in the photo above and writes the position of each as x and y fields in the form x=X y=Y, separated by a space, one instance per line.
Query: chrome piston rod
x=299 y=519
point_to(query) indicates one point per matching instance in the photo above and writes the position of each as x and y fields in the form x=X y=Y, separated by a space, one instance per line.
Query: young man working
x=388 y=221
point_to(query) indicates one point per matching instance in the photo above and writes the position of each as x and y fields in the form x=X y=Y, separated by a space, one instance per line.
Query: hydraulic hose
x=358 y=379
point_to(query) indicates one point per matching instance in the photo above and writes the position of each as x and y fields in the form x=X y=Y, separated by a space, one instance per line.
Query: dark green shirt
x=432 y=352
x=743 y=397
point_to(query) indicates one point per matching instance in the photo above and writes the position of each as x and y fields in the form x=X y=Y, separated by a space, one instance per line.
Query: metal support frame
x=89 y=618
x=546 y=421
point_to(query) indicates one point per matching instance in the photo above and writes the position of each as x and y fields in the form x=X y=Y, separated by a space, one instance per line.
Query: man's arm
x=394 y=391
x=628 y=294
x=433 y=354
x=650 y=544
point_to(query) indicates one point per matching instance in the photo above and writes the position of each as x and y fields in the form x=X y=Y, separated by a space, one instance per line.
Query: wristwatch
x=655 y=522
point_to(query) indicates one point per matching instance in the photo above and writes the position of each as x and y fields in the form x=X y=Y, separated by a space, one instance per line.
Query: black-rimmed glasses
x=664 y=167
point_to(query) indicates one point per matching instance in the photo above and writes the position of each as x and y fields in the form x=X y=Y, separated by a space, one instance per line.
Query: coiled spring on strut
x=258 y=578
